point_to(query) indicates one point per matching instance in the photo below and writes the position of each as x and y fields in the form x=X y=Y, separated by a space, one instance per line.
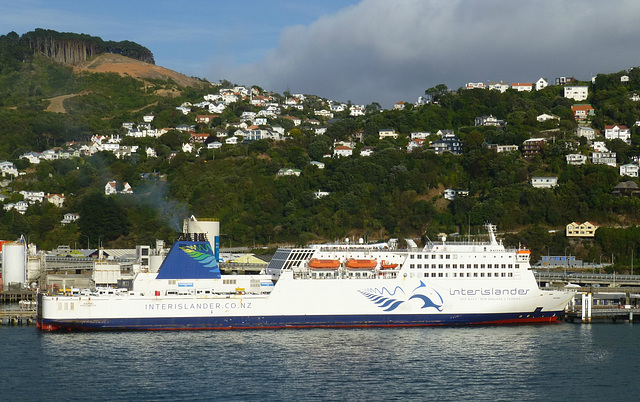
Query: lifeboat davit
x=388 y=265
x=316 y=263
x=355 y=263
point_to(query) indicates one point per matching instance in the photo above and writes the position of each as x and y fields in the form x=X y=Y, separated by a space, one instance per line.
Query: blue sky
x=360 y=50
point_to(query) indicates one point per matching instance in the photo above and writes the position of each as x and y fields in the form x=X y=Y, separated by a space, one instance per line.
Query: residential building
x=501 y=86
x=624 y=79
x=576 y=159
x=420 y=135
x=110 y=188
x=576 y=229
x=366 y=151
x=544 y=182
x=586 y=132
x=604 y=158
x=32 y=197
x=564 y=80
x=475 y=85
x=317 y=164
x=450 y=193
x=625 y=189
x=599 y=146
x=630 y=169
x=387 y=132
x=69 y=218
x=502 y=148
x=320 y=194
x=620 y=132
x=544 y=117
x=489 y=121
x=205 y=118
x=582 y=111
x=342 y=150
x=413 y=144
x=541 y=84
x=126 y=189
x=288 y=172
x=399 y=106
x=522 y=86
x=448 y=143
x=532 y=146
x=56 y=199
x=577 y=93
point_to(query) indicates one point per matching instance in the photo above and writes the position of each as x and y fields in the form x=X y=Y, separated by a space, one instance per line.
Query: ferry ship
x=347 y=285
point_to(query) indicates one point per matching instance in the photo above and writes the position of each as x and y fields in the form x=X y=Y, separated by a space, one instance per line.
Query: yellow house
x=587 y=229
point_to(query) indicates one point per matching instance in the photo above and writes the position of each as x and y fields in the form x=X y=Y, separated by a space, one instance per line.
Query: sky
x=361 y=51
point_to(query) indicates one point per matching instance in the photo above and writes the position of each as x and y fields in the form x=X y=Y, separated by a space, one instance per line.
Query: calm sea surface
x=550 y=362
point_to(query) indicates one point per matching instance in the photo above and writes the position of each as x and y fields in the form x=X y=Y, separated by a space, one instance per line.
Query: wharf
x=17 y=317
x=604 y=304
x=14 y=296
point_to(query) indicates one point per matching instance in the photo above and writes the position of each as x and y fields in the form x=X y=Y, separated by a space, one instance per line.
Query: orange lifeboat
x=524 y=252
x=388 y=265
x=316 y=263
x=354 y=263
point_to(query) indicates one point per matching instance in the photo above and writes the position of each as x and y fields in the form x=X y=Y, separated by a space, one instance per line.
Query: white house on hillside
x=544 y=182
x=577 y=93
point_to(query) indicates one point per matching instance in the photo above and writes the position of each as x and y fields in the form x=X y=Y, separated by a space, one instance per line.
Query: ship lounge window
x=419 y=266
x=510 y=265
x=475 y=274
x=468 y=274
x=481 y=265
x=455 y=275
x=510 y=274
x=448 y=266
x=426 y=274
x=455 y=266
x=502 y=274
x=468 y=266
x=433 y=256
x=412 y=266
x=504 y=266
x=517 y=266
x=475 y=266
x=440 y=266
x=481 y=274
x=440 y=275
x=412 y=256
x=419 y=256
x=489 y=274
x=489 y=266
x=441 y=256
x=448 y=256
x=433 y=274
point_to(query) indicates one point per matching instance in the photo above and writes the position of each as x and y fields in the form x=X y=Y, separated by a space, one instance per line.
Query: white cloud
x=386 y=51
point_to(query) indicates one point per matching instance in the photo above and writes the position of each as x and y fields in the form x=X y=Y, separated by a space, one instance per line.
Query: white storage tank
x=13 y=263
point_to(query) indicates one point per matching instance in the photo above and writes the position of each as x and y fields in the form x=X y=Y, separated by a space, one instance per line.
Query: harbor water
x=547 y=362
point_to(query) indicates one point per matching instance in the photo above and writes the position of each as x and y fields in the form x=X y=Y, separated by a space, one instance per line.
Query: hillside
x=223 y=151
x=125 y=66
